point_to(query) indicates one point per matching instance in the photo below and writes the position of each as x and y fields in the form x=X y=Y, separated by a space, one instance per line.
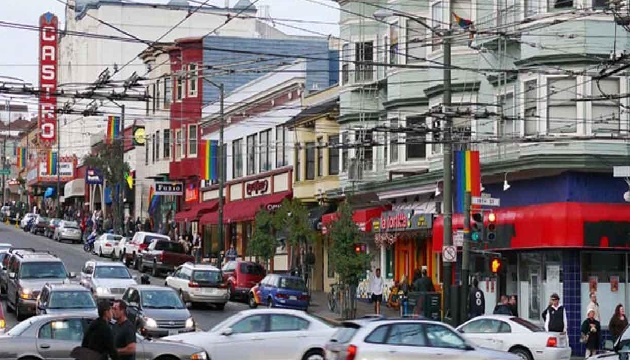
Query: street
x=74 y=257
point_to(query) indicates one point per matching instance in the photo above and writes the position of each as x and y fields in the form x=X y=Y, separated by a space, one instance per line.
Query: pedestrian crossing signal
x=496 y=265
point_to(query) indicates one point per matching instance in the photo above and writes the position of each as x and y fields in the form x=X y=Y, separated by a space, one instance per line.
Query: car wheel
x=100 y=251
x=219 y=306
x=522 y=353
x=18 y=314
x=252 y=301
x=314 y=354
x=154 y=270
x=270 y=303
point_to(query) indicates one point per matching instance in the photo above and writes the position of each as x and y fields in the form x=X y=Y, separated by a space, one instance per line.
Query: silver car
x=54 y=337
x=106 y=279
x=67 y=230
x=64 y=299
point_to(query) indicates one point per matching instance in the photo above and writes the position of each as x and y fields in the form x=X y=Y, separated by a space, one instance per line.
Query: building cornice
x=405 y=102
x=562 y=59
x=360 y=116
x=438 y=90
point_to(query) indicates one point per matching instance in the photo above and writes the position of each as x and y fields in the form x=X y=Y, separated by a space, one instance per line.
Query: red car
x=241 y=276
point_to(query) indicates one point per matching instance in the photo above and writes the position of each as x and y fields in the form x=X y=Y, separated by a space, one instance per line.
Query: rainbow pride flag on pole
x=21 y=157
x=153 y=200
x=209 y=162
x=461 y=22
x=467 y=176
x=52 y=163
x=113 y=129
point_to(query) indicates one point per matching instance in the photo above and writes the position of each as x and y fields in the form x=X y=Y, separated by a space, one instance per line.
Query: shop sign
x=257 y=187
x=93 y=177
x=191 y=194
x=169 y=188
x=66 y=169
x=48 y=25
x=273 y=207
x=402 y=221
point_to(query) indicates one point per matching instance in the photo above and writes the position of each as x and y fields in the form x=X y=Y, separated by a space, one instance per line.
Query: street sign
x=5 y=171
x=485 y=201
x=458 y=238
x=449 y=253
x=621 y=171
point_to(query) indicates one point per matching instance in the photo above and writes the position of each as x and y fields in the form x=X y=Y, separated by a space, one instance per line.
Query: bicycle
x=333 y=297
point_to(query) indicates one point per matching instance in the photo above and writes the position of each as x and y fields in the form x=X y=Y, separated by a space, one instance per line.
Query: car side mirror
x=72 y=275
x=227 y=332
x=11 y=275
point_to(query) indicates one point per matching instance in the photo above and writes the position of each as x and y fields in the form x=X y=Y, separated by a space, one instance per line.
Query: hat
x=555 y=296
x=590 y=310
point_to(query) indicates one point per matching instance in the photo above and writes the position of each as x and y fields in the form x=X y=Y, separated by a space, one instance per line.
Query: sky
x=19 y=56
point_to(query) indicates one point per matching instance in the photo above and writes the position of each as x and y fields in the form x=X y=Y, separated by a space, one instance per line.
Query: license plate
x=208 y=291
x=292 y=297
x=173 y=332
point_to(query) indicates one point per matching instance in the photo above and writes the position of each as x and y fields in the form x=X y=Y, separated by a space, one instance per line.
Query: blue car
x=281 y=291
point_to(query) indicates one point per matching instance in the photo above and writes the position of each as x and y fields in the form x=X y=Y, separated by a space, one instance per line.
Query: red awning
x=244 y=210
x=363 y=218
x=553 y=225
x=196 y=211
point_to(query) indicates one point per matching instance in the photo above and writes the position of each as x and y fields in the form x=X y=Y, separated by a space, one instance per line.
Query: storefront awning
x=315 y=216
x=74 y=188
x=363 y=218
x=245 y=210
x=196 y=211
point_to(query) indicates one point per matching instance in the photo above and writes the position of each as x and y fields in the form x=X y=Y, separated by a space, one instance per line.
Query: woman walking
x=618 y=322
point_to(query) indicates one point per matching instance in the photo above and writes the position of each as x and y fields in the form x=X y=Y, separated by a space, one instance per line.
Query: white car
x=266 y=334
x=26 y=218
x=105 y=244
x=199 y=283
x=140 y=241
x=106 y=280
x=119 y=249
x=516 y=335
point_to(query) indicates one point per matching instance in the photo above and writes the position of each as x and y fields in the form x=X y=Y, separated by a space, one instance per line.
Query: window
x=365 y=140
x=531 y=7
x=298 y=162
x=148 y=104
x=506 y=14
x=265 y=151
x=178 y=144
x=158 y=94
x=437 y=18
x=393 y=141
x=415 y=137
x=333 y=155
x=157 y=145
x=320 y=156
x=605 y=112
x=345 y=63
x=251 y=154
x=310 y=160
x=147 y=146
x=345 y=151
x=282 y=155
x=153 y=142
x=436 y=147
x=561 y=109
x=287 y=323
x=237 y=158
x=179 y=90
x=508 y=119
x=192 y=140
x=443 y=337
x=64 y=330
x=393 y=42
x=167 y=143
x=560 y=4
x=409 y=334
x=378 y=336
x=482 y=326
x=416 y=48
x=193 y=79
x=601 y=4
x=531 y=108
x=154 y=100
x=251 y=324
x=168 y=92
x=364 y=56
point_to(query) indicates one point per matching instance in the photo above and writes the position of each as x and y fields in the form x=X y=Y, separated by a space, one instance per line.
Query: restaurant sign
x=406 y=220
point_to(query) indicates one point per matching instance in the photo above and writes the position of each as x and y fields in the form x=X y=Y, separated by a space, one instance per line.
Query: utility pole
x=58 y=168
x=4 y=154
x=121 y=190
x=465 y=259
x=221 y=168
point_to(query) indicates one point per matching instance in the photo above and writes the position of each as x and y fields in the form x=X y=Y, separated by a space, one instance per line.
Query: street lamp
x=447 y=207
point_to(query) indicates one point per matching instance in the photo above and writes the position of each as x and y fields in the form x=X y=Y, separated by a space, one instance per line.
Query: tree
x=293 y=217
x=106 y=159
x=263 y=241
x=350 y=265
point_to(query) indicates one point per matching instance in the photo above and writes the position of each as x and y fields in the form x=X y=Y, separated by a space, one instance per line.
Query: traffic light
x=360 y=248
x=476 y=227
x=496 y=265
x=491 y=229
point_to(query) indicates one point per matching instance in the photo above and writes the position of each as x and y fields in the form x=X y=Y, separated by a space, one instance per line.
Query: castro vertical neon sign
x=48 y=25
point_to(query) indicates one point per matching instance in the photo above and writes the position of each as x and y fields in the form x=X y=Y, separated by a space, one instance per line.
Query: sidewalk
x=319 y=308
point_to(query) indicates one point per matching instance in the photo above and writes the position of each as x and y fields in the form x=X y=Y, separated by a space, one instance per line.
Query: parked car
x=50 y=229
x=140 y=241
x=516 y=335
x=105 y=244
x=378 y=338
x=241 y=276
x=283 y=291
x=39 y=226
x=157 y=311
x=24 y=223
x=163 y=256
x=7 y=262
x=106 y=280
x=65 y=299
x=54 y=337
x=263 y=334
x=197 y=283
x=68 y=230
x=118 y=250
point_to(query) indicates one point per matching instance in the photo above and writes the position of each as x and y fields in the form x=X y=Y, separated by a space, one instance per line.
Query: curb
x=328 y=319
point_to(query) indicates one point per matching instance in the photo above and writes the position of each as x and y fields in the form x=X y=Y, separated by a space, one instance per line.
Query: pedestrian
x=618 y=323
x=543 y=315
x=424 y=283
x=98 y=336
x=197 y=247
x=503 y=307
x=556 y=319
x=590 y=331
x=593 y=304
x=476 y=301
x=231 y=254
x=124 y=332
x=376 y=288
x=513 y=304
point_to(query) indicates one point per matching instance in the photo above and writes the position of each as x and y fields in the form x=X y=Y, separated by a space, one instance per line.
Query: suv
x=372 y=337
x=106 y=280
x=28 y=274
x=140 y=241
x=198 y=283
x=241 y=276
x=7 y=261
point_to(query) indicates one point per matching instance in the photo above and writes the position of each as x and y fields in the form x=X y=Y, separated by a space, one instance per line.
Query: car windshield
x=530 y=326
x=111 y=272
x=111 y=237
x=292 y=284
x=20 y=327
x=43 y=270
x=252 y=269
x=71 y=300
x=161 y=299
x=209 y=276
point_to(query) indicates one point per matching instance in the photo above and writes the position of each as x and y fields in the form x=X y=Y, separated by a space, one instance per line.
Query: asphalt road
x=74 y=257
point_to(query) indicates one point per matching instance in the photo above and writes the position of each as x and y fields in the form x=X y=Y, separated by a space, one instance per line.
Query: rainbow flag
x=21 y=157
x=209 y=162
x=51 y=163
x=113 y=129
x=461 y=22
x=467 y=177
x=153 y=200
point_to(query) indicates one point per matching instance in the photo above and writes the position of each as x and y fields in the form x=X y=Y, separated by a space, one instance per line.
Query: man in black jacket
x=99 y=336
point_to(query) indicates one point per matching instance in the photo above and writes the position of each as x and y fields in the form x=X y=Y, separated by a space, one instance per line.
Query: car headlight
x=190 y=323
x=199 y=356
x=3 y=324
x=150 y=323
x=26 y=293
x=102 y=290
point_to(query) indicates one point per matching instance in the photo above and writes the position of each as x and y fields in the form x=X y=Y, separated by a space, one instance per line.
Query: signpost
x=5 y=171
x=485 y=201
x=458 y=238
x=449 y=253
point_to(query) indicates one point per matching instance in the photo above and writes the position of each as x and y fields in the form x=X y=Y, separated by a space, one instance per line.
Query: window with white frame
x=157 y=145
x=437 y=20
x=155 y=99
x=393 y=141
x=178 y=144
x=345 y=63
x=605 y=109
x=394 y=36
x=415 y=137
x=365 y=138
x=416 y=48
x=345 y=151
x=333 y=155
x=531 y=107
x=282 y=153
x=147 y=149
x=364 y=57
x=168 y=92
x=251 y=154
x=167 y=143
x=532 y=7
x=507 y=111
x=237 y=158
x=158 y=94
x=264 y=158
x=559 y=4
x=153 y=143
x=310 y=160
x=320 y=156
x=561 y=105
x=297 y=168
x=506 y=14
x=601 y=4
x=193 y=79
x=192 y=140
x=179 y=88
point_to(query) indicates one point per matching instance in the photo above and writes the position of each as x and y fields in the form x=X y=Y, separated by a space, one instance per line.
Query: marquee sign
x=257 y=187
x=169 y=188
x=391 y=221
x=48 y=33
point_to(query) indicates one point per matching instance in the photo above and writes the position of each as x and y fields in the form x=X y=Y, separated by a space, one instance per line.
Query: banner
x=209 y=160
x=47 y=111
x=113 y=129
